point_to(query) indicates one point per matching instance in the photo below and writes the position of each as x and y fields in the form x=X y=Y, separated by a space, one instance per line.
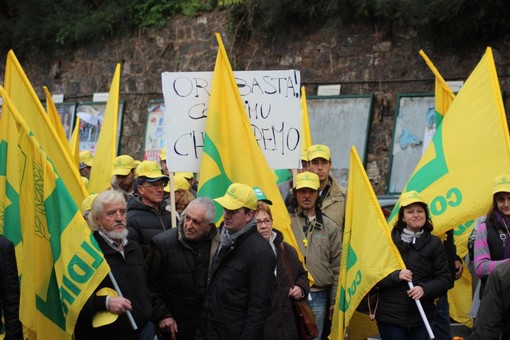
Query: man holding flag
x=104 y=314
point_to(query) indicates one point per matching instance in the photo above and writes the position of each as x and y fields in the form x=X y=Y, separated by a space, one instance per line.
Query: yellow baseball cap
x=307 y=179
x=86 y=204
x=162 y=154
x=318 y=151
x=238 y=196
x=86 y=158
x=501 y=184
x=104 y=317
x=411 y=197
x=149 y=171
x=180 y=183
x=122 y=165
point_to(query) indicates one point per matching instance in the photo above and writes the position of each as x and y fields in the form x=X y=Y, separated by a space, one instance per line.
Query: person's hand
x=416 y=292
x=169 y=326
x=405 y=275
x=459 y=268
x=119 y=305
x=296 y=293
x=331 y=310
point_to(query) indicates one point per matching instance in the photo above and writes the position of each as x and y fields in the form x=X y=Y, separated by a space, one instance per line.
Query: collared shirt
x=112 y=243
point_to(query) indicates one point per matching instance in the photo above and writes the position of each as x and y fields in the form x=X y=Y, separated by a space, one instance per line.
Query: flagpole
x=117 y=289
x=422 y=313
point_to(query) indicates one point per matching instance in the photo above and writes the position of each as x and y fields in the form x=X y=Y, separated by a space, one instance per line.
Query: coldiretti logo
x=346 y=292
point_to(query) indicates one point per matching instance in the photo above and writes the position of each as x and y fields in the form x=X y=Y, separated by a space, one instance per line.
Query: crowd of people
x=183 y=277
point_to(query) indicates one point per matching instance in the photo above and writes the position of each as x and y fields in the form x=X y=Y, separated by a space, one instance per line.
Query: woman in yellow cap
x=397 y=314
x=492 y=244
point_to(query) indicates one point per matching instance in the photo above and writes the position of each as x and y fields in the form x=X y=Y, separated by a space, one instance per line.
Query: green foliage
x=448 y=24
x=37 y=27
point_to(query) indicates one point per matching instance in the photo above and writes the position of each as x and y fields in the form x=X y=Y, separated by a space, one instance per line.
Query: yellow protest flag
x=368 y=252
x=443 y=95
x=61 y=263
x=306 y=134
x=106 y=147
x=231 y=153
x=18 y=88
x=75 y=143
x=55 y=120
x=459 y=297
x=454 y=175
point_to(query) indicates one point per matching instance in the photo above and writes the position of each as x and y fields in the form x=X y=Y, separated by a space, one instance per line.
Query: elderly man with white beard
x=126 y=260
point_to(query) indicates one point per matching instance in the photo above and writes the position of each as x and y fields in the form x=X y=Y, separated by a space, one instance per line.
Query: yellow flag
x=75 y=143
x=470 y=148
x=61 y=263
x=106 y=147
x=443 y=96
x=306 y=134
x=231 y=153
x=368 y=252
x=18 y=88
x=55 y=120
x=459 y=297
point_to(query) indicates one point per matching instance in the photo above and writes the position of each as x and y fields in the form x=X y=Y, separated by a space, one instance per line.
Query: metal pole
x=117 y=289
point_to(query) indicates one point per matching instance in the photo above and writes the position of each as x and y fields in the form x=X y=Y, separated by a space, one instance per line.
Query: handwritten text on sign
x=272 y=102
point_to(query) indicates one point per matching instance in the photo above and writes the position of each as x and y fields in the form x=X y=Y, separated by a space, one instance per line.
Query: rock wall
x=360 y=58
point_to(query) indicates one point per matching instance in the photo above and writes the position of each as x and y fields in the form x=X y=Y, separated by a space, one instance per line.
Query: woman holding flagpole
x=397 y=315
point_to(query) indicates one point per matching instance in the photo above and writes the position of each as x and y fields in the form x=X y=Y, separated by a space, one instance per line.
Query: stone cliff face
x=359 y=58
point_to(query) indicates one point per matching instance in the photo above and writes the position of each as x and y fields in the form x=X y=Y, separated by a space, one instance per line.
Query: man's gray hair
x=206 y=202
x=107 y=196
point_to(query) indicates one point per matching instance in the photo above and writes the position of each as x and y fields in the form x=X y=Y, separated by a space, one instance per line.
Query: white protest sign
x=272 y=102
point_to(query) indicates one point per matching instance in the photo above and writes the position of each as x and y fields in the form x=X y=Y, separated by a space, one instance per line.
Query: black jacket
x=9 y=290
x=281 y=324
x=129 y=272
x=144 y=222
x=240 y=290
x=426 y=259
x=493 y=319
x=173 y=280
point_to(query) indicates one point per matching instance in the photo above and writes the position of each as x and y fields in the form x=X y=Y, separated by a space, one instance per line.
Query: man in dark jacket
x=241 y=280
x=493 y=318
x=177 y=269
x=9 y=290
x=125 y=258
x=147 y=216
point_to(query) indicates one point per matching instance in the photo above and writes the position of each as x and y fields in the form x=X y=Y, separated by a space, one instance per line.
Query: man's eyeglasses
x=266 y=222
x=153 y=184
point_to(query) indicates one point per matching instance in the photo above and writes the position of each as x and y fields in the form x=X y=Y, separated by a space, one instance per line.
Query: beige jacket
x=333 y=206
x=322 y=251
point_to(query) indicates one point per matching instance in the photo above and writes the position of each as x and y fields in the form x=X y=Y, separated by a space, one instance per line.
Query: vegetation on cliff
x=38 y=27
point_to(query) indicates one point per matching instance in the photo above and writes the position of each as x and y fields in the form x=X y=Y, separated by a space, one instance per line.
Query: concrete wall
x=359 y=57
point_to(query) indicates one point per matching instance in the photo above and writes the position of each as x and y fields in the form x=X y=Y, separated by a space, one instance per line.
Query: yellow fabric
x=368 y=253
x=361 y=327
x=231 y=153
x=456 y=172
x=460 y=296
x=75 y=143
x=443 y=94
x=106 y=146
x=60 y=262
x=55 y=120
x=18 y=88
x=306 y=134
